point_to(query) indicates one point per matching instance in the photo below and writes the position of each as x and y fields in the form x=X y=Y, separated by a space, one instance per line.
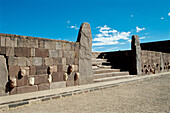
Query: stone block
x=29 y=61
x=76 y=46
x=76 y=61
x=48 y=61
x=20 y=42
x=13 y=70
x=66 y=46
x=55 y=85
x=22 y=81
x=71 y=54
x=60 y=68
x=57 y=76
x=41 y=79
x=13 y=91
x=76 y=54
x=70 y=61
x=41 y=43
x=57 y=61
x=76 y=83
x=32 y=70
x=50 y=45
x=33 y=43
x=9 y=51
x=13 y=61
x=75 y=68
x=3 y=41
x=22 y=52
x=43 y=87
x=22 y=61
x=60 y=53
x=2 y=50
x=11 y=42
x=41 y=69
x=65 y=68
x=3 y=75
x=32 y=51
x=63 y=61
x=41 y=52
x=54 y=53
x=37 y=61
x=27 y=69
x=71 y=76
x=65 y=54
x=26 y=89
x=58 y=45
x=69 y=83
x=54 y=68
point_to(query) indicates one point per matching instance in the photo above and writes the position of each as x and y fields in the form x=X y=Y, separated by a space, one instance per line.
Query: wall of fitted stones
x=118 y=59
x=160 y=46
x=154 y=62
x=35 y=55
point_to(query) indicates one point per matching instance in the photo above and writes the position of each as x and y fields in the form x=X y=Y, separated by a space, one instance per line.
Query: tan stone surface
x=148 y=96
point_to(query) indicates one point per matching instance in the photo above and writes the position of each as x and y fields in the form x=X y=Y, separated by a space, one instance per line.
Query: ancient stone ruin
x=29 y=64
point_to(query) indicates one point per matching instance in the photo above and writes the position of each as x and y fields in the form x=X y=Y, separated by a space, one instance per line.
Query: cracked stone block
x=3 y=75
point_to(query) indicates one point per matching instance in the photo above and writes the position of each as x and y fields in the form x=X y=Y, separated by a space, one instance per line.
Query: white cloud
x=68 y=22
x=139 y=29
x=169 y=14
x=112 y=49
x=74 y=27
x=162 y=18
x=142 y=37
x=129 y=40
x=109 y=36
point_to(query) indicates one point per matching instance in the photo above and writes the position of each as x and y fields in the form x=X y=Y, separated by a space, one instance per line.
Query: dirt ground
x=147 y=96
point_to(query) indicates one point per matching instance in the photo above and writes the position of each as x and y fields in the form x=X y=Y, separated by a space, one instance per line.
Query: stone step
x=106 y=63
x=113 y=78
x=111 y=74
x=96 y=63
x=99 y=71
x=99 y=60
x=101 y=67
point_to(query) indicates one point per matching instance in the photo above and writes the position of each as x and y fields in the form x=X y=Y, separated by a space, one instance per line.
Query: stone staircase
x=103 y=71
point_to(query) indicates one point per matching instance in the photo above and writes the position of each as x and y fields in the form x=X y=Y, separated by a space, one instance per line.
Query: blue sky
x=113 y=22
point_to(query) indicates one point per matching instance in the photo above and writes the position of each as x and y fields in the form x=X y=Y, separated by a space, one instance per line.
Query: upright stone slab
x=3 y=75
x=136 y=55
x=85 y=54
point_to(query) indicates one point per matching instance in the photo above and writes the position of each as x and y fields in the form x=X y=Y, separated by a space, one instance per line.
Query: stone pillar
x=162 y=63
x=85 y=54
x=136 y=55
x=3 y=75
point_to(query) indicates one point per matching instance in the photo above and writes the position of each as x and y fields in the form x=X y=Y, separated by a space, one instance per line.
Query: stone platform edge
x=13 y=101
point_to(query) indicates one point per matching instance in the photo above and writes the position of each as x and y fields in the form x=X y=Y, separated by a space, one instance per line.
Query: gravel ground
x=147 y=96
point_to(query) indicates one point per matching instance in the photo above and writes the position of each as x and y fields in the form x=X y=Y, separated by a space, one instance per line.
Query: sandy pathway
x=148 y=96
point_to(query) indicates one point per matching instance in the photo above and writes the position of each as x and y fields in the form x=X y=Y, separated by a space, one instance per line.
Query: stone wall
x=160 y=46
x=140 y=60
x=154 y=62
x=38 y=60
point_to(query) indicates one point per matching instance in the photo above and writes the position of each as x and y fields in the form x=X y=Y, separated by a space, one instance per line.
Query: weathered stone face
x=3 y=75
x=136 y=55
x=85 y=54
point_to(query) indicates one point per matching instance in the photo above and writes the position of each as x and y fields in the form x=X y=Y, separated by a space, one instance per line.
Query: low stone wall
x=154 y=62
x=31 y=64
